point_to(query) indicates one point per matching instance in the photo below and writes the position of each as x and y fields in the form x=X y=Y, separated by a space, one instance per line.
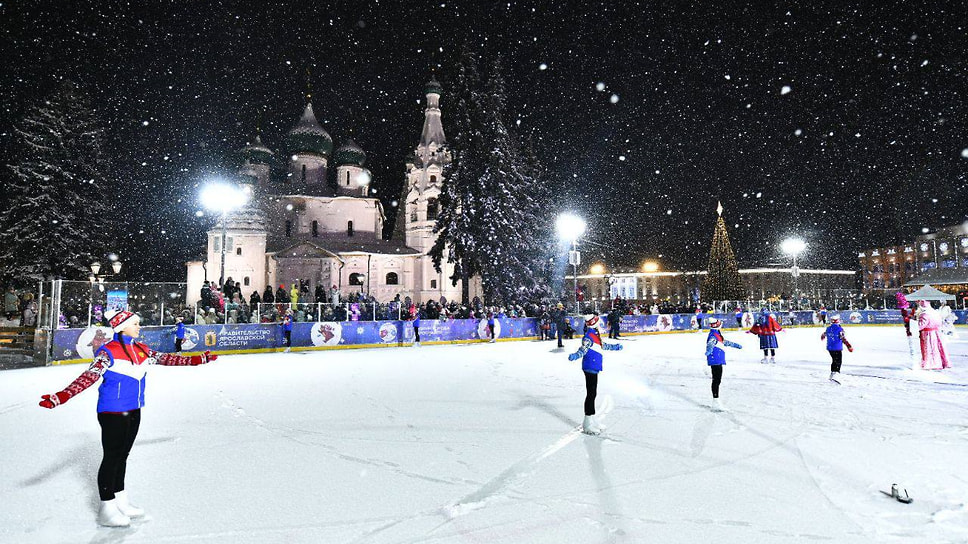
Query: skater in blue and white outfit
x=716 y=357
x=590 y=354
x=836 y=340
x=179 y=331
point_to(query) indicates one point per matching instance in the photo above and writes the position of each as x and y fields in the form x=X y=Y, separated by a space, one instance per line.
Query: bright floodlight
x=793 y=246
x=597 y=268
x=570 y=227
x=363 y=178
x=223 y=197
x=650 y=266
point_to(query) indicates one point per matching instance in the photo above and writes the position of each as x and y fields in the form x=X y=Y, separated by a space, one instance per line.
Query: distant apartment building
x=939 y=258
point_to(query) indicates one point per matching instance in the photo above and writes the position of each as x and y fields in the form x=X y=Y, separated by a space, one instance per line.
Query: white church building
x=318 y=224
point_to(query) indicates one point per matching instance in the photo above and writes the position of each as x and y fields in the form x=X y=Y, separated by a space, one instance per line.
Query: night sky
x=844 y=125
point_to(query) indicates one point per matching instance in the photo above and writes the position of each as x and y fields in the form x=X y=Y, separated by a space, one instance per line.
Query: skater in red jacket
x=766 y=328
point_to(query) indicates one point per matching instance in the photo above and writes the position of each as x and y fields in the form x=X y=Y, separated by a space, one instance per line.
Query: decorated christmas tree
x=722 y=277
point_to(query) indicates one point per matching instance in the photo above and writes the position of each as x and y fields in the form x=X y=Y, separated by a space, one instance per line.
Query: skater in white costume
x=590 y=354
x=933 y=355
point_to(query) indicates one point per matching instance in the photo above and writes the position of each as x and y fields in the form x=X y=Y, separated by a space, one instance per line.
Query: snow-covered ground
x=479 y=443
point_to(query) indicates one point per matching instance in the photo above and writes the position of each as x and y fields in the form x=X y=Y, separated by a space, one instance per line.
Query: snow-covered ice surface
x=479 y=443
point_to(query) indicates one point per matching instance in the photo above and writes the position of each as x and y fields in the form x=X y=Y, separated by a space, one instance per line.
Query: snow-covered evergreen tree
x=53 y=222
x=460 y=198
x=513 y=256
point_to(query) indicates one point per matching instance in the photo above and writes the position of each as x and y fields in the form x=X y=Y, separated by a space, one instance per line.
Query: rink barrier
x=70 y=346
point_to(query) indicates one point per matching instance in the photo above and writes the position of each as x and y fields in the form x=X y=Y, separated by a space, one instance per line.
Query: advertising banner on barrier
x=80 y=344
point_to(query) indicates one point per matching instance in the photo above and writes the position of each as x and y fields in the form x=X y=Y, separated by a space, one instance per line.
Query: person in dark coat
x=282 y=296
x=320 y=293
x=267 y=296
x=559 y=322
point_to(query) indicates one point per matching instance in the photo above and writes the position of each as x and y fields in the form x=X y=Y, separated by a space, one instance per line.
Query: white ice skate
x=110 y=516
x=835 y=377
x=286 y=350
x=598 y=423
x=772 y=360
x=125 y=506
x=763 y=361
x=717 y=406
x=416 y=344
x=590 y=426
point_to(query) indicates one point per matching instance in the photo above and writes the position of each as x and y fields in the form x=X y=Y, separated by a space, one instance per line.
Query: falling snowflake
x=786 y=89
x=614 y=98
x=542 y=66
x=600 y=86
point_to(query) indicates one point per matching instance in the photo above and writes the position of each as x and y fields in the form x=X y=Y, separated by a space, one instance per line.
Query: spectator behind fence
x=11 y=303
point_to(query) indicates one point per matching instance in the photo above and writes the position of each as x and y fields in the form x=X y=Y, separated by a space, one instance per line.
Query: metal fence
x=66 y=304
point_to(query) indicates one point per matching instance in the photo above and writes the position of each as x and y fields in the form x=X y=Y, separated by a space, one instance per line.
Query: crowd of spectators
x=20 y=308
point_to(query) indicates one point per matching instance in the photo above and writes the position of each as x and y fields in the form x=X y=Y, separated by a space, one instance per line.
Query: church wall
x=331 y=214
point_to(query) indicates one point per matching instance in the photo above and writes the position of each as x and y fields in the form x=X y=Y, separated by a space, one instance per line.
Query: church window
x=245 y=281
x=392 y=278
x=228 y=244
x=304 y=173
x=217 y=244
x=432 y=209
x=288 y=228
x=347 y=178
x=356 y=279
x=433 y=284
x=238 y=251
x=315 y=229
x=349 y=228
x=433 y=179
x=413 y=214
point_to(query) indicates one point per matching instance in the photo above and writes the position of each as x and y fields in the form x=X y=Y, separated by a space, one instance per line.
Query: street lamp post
x=97 y=278
x=570 y=227
x=223 y=197
x=793 y=247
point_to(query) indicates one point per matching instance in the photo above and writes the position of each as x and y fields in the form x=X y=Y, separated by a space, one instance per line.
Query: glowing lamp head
x=570 y=227
x=223 y=197
x=793 y=246
x=597 y=268
x=650 y=266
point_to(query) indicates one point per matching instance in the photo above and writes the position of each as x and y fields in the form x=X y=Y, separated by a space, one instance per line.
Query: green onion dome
x=308 y=137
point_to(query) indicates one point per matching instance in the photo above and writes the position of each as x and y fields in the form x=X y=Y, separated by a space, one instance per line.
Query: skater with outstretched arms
x=122 y=364
x=590 y=353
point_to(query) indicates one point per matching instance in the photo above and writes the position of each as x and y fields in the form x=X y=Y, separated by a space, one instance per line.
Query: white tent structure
x=930 y=293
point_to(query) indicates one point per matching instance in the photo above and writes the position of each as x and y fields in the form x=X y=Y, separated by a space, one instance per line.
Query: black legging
x=771 y=352
x=416 y=334
x=591 y=391
x=118 y=431
x=836 y=358
x=288 y=338
x=178 y=345
x=717 y=371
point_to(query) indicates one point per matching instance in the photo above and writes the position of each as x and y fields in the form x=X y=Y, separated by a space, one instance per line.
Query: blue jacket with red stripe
x=591 y=351
x=715 y=355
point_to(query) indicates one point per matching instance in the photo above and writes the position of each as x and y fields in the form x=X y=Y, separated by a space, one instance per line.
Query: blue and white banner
x=73 y=344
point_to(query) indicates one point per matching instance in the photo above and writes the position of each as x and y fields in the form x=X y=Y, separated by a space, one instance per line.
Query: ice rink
x=480 y=443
